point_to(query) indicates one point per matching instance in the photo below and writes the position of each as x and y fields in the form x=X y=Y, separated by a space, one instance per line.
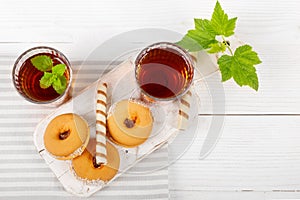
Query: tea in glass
x=164 y=71
x=27 y=77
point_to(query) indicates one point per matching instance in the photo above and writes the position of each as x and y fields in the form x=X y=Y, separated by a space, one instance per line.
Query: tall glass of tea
x=44 y=63
x=164 y=71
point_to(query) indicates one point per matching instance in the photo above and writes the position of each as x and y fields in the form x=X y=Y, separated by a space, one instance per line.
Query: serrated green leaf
x=246 y=56
x=220 y=22
x=60 y=84
x=242 y=77
x=189 y=44
x=59 y=69
x=217 y=47
x=225 y=63
x=203 y=33
x=240 y=66
x=230 y=26
x=204 y=25
x=47 y=80
x=42 y=62
x=199 y=38
x=203 y=39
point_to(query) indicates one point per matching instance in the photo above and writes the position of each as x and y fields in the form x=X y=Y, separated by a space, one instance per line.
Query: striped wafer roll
x=101 y=124
x=184 y=109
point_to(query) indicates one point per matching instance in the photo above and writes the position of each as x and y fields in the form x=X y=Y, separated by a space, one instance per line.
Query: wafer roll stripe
x=184 y=109
x=101 y=124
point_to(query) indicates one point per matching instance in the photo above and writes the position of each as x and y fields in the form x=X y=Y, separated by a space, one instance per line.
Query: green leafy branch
x=55 y=78
x=210 y=35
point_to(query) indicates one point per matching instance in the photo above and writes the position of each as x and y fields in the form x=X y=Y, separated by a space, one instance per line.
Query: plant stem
x=227 y=46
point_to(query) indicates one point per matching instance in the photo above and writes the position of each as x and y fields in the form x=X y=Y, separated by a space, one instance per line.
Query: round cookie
x=129 y=123
x=66 y=136
x=85 y=165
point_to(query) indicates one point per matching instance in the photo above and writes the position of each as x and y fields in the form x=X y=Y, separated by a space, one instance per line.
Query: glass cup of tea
x=26 y=77
x=164 y=71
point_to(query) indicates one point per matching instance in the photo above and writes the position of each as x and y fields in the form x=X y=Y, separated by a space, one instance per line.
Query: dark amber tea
x=29 y=80
x=27 y=77
x=164 y=71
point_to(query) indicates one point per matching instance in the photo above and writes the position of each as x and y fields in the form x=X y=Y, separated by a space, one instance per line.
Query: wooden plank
x=33 y=22
x=253 y=153
x=279 y=86
x=134 y=13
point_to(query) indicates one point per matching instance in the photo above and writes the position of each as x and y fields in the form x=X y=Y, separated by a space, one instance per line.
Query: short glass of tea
x=164 y=71
x=26 y=77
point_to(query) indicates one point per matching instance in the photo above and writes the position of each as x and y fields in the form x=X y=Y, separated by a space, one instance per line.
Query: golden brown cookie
x=85 y=165
x=66 y=136
x=129 y=123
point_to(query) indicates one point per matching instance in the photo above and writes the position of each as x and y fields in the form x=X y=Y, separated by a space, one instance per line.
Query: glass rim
x=181 y=51
x=47 y=48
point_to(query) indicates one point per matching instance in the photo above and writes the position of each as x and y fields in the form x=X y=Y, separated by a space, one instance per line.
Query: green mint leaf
x=240 y=66
x=47 y=80
x=217 y=47
x=220 y=22
x=59 y=69
x=43 y=63
x=60 y=84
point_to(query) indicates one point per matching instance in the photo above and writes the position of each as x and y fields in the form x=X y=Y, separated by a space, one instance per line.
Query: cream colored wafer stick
x=101 y=124
x=184 y=109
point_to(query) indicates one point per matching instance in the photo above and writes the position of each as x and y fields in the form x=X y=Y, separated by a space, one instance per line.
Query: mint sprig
x=47 y=80
x=55 y=78
x=238 y=65
x=59 y=84
x=42 y=62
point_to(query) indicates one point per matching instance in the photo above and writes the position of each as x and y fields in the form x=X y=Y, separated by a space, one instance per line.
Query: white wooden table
x=258 y=154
